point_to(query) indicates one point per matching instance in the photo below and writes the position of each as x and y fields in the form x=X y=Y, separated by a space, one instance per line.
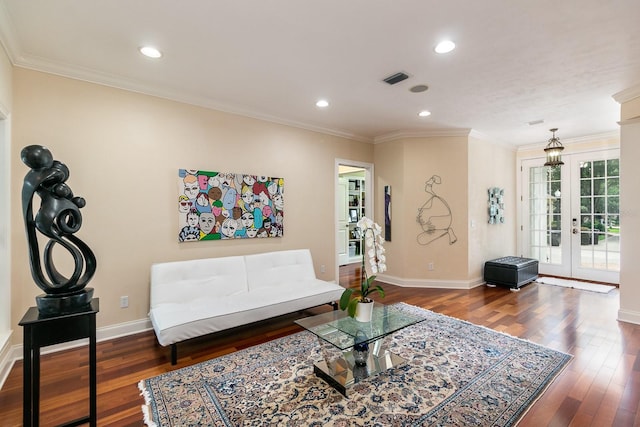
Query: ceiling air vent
x=396 y=78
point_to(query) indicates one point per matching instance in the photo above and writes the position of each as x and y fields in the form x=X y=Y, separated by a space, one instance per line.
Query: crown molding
x=486 y=138
x=394 y=136
x=627 y=94
x=11 y=45
x=633 y=121
x=8 y=39
x=117 y=82
x=573 y=141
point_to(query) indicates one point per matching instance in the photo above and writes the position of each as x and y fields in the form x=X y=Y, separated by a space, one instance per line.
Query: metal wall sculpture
x=496 y=205
x=221 y=206
x=58 y=218
x=434 y=217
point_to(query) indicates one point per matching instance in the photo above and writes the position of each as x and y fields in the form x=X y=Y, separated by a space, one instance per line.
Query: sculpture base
x=50 y=305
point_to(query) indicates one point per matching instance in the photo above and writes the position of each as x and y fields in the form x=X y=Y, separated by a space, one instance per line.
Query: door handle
x=575 y=231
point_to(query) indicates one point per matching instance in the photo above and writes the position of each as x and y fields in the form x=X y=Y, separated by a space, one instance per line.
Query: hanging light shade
x=554 y=150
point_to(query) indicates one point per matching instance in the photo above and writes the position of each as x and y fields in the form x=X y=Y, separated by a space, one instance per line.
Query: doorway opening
x=354 y=200
x=572 y=216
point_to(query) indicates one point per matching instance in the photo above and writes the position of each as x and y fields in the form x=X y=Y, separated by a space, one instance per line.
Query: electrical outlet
x=430 y=266
x=124 y=301
x=323 y=268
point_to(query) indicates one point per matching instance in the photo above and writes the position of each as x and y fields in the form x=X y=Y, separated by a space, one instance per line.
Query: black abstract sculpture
x=58 y=219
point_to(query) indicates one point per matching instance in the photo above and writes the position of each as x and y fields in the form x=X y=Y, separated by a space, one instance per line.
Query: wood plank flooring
x=600 y=387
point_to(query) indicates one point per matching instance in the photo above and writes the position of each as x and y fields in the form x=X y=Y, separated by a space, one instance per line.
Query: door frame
x=580 y=147
x=563 y=269
x=608 y=276
x=368 y=203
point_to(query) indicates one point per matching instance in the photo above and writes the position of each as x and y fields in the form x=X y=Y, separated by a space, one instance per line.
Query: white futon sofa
x=198 y=297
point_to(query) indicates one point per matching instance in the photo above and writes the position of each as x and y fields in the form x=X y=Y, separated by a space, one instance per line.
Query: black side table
x=44 y=331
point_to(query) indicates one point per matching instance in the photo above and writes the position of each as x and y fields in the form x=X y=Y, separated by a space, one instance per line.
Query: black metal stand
x=44 y=331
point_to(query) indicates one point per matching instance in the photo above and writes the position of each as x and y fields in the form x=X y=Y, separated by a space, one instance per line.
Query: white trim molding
x=627 y=94
x=431 y=284
x=393 y=136
x=8 y=356
x=629 y=316
x=6 y=363
x=586 y=139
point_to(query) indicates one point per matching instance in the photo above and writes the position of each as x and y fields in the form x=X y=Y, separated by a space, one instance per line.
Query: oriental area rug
x=457 y=374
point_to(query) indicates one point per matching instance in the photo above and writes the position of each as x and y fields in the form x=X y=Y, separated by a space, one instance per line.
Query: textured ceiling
x=515 y=62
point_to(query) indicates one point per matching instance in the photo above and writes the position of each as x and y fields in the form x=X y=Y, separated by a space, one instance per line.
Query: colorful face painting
x=222 y=206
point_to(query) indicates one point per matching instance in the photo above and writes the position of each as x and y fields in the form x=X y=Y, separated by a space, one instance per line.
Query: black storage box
x=510 y=271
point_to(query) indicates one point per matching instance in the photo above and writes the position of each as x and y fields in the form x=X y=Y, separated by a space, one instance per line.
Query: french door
x=571 y=215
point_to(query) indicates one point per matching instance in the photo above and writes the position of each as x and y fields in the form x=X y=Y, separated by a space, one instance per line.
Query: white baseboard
x=629 y=316
x=436 y=284
x=9 y=355
x=6 y=363
x=123 y=329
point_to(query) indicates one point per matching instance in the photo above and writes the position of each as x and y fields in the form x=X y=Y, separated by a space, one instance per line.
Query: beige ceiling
x=516 y=61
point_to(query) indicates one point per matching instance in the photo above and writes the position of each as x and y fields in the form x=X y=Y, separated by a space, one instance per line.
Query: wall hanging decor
x=387 y=213
x=220 y=206
x=496 y=205
x=434 y=217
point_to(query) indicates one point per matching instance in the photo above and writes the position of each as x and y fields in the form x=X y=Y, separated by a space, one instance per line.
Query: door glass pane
x=585 y=187
x=613 y=186
x=599 y=168
x=599 y=215
x=545 y=215
x=599 y=187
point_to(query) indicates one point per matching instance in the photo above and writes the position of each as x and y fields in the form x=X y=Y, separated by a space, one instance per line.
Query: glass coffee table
x=354 y=350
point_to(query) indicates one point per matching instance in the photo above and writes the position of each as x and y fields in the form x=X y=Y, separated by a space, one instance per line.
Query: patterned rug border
x=151 y=405
x=534 y=398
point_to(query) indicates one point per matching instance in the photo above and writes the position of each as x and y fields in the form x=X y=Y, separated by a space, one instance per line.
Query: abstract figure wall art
x=434 y=216
x=222 y=205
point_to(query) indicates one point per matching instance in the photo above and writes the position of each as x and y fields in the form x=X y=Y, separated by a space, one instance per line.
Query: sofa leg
x=174 y=354
x=334 y=305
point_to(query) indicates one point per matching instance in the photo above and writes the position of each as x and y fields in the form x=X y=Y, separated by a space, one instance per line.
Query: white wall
x=461 y=163
x=124 y=150
x=5 y=244
x=490 y=165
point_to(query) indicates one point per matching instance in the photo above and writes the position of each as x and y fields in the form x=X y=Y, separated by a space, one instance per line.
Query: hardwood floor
x=600 y=387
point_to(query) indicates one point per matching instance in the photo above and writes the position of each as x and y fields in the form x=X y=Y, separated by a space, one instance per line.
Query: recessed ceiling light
x=150 y=52
x=323 y=103
x=445 y=46
x=424 y=113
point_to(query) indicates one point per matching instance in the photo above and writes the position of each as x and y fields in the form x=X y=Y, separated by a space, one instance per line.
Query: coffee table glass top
x=337 y=328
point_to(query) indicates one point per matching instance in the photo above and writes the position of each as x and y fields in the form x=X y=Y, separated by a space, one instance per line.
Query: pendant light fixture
x=554 y=149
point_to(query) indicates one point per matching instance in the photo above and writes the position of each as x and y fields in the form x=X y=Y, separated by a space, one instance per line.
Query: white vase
x=364 y=311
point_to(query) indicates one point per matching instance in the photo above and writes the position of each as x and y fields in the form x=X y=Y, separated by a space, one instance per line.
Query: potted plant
x=357 y=301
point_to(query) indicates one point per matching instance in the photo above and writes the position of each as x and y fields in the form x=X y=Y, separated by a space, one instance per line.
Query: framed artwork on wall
x=387 y=213
x=223 y=205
